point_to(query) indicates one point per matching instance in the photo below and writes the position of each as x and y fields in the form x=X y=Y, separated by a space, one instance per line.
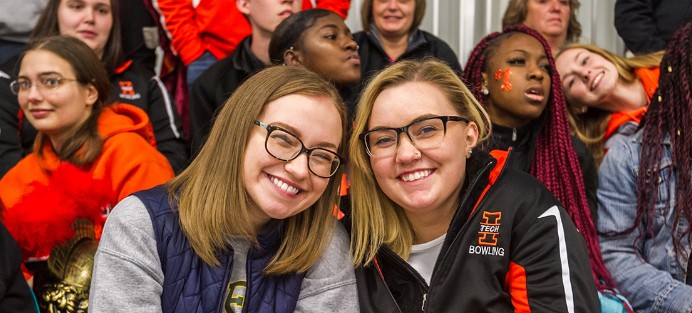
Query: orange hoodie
x=649 y=78
x=128 y=162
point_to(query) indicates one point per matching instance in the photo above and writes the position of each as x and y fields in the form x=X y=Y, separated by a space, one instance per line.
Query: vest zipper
x=422 y=308
x=514 y=134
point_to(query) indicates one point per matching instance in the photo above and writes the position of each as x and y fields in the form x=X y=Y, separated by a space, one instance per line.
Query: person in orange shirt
x=606 y=94
x=202 y=32
x=87 y=156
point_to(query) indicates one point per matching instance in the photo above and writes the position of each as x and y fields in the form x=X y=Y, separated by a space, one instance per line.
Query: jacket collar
x=243 y=58
x=416 y=39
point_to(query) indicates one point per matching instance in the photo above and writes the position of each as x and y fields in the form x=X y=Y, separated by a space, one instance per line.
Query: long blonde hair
x=590 y=126
x=210 y=195
x=377 y=220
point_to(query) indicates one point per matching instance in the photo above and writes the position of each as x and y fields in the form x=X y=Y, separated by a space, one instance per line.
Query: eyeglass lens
x=427 y=133
x=286 y=146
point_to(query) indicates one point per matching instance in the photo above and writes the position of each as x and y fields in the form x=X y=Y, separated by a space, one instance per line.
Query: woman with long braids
x=513 y=76
x=645 y=194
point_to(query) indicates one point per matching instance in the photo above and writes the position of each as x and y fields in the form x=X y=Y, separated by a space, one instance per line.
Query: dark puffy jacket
x=191 y=285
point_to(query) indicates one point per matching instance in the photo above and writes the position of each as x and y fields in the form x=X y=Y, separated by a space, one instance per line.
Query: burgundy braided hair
x=559 y=172
x=668 y=116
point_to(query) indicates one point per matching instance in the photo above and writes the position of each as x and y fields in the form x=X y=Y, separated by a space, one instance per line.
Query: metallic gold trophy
x=71 y=264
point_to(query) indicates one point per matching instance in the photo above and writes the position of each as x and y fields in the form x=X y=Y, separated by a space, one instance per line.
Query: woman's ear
x=91 y=95
x=293 y=57
x=471 y=135
x=484 y=82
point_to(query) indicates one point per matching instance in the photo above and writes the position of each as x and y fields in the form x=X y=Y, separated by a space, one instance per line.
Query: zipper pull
x=425 y=295
x=514 y=134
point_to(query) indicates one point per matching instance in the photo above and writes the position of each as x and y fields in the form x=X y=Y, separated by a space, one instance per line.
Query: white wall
x=462 y=23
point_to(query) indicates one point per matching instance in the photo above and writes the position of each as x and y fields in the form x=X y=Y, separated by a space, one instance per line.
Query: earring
x=484 y=88
x=469 y=152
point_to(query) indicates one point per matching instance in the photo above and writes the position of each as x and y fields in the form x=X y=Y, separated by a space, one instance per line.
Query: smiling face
x=55 y=111
x=281 y=189
x=548 y=17
x=88 y=20
x=393 y=18
x=518 y=81
x=329 y=50
x=424 y=182
x=265 y=15
x=588 y=78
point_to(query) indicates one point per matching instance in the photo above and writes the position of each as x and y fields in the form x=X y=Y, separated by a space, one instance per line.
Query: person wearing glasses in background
x=88 y=154
x=440 y=226
x=249 y=225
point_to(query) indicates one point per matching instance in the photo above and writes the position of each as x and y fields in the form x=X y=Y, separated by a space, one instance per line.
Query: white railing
x=462 y=23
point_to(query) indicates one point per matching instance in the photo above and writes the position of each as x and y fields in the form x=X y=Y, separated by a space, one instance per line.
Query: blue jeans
x=197 y=67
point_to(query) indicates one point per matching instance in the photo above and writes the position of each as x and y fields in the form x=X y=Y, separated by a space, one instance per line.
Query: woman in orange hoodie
x=87 y=155
x=607 y=95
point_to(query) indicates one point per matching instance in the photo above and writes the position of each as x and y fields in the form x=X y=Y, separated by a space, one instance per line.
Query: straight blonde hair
x=590 y=126
x=376 y=219
x=211 y=198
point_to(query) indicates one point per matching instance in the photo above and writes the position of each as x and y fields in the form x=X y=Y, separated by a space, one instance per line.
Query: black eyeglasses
x=285 y=146
x=424 y=133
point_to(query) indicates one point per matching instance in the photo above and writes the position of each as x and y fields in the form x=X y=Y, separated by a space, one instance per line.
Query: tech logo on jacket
x=127 y=91
x=488 y=233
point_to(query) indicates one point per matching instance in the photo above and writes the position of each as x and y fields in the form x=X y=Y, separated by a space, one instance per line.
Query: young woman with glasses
x=88 y=155
x=97 y=24
x=440 y=226
x=249 y=225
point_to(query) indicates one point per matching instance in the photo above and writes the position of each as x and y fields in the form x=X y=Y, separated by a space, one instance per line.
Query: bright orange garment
x=129 y=159
x=649 y=78
x=215 y=25
x=128 y=162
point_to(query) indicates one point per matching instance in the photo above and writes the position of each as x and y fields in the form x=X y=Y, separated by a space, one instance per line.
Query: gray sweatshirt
x=18 y=18
x=127 y=273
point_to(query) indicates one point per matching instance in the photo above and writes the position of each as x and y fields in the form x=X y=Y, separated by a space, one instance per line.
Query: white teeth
x=416 y=176
x=284 y=186
x=597 y=80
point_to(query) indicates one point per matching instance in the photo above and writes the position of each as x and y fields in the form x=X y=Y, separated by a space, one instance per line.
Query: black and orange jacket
x=510 y=247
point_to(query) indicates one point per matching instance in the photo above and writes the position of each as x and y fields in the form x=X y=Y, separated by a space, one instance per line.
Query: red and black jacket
x=510 y=247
